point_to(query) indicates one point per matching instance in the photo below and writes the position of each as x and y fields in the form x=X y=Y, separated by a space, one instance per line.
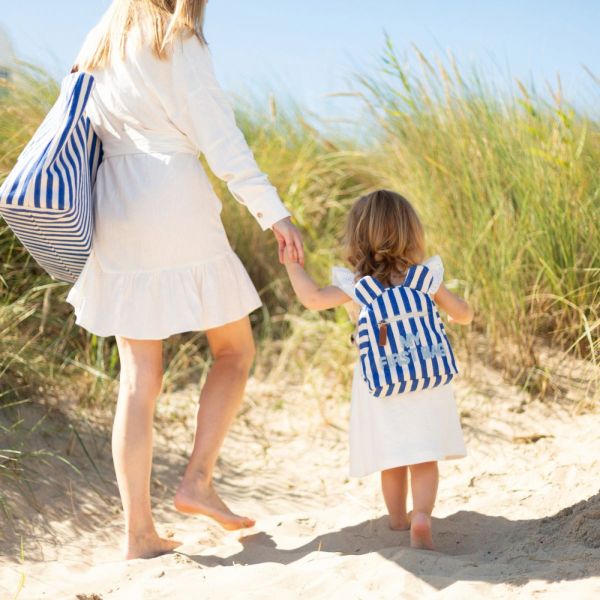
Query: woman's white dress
x=161 y=262
x=404 y=429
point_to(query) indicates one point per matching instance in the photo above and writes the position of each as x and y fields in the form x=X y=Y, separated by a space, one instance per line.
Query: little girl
x=392 y=429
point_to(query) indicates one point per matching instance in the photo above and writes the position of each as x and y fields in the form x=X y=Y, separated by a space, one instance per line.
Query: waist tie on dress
x=113 y=146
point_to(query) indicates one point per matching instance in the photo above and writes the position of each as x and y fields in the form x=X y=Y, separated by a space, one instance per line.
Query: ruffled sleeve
x=203 y=112
x=436 y=268
x=343 y=279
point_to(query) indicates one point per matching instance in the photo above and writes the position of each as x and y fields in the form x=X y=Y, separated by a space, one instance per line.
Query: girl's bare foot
x=201 y=499
x=400 y=522
x=420 y=531
x=148 y=545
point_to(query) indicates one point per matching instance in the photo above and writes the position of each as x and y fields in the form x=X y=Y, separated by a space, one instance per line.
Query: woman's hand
x=288 y=237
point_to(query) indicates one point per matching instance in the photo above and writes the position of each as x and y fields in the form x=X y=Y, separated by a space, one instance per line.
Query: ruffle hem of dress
x=126 y=304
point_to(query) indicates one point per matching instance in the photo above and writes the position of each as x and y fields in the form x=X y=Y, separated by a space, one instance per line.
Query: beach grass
x=510 y=188
x=507 y=185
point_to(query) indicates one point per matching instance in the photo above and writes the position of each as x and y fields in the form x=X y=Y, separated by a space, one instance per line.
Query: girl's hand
x=287 y=257
x=307 y=291
x=288 y=237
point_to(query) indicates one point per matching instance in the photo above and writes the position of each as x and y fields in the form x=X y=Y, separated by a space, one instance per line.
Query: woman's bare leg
x=394 y=484
x=232 y=347
x=424 y=479
x=140 y=383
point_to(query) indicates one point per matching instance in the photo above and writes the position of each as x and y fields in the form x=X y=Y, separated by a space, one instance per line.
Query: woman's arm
x=197 y=105
x=457 y=309
x=309 y=293
x=201 y=109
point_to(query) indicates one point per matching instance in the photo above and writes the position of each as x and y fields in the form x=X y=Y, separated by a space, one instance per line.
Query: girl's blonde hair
x=384 y=236
x=160 y=22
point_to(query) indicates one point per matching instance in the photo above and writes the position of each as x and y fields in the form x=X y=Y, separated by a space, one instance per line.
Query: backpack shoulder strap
x=419 y=278
x=367 y=288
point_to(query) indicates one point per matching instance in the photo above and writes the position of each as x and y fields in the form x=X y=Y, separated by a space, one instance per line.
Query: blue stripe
x=439 y=339
x=72 y=114
x=31 y=170
x=415 y=332
x=422 y=273
x=367 y=289
x=425 y=325
x=396 y=311
x=386 y=370
x=410 y=273
x=49 y=186
x=370 y=355
x=406 y=309
x=61 y=190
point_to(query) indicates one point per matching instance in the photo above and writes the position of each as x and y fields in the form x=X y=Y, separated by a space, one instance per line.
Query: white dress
x=404 y=429
x=161 y=262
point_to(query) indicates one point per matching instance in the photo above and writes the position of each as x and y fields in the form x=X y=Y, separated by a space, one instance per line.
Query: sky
x=310 y=49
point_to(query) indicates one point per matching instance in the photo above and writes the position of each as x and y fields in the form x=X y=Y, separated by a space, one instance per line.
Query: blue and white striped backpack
x=401 y=339
x=47 y=197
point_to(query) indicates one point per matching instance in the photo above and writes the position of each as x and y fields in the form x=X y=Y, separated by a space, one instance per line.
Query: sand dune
x=519 y=518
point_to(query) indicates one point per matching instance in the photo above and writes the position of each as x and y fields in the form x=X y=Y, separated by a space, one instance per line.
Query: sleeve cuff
x=269 y=215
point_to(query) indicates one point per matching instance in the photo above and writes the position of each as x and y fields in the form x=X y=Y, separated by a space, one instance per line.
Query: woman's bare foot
x=420 y=531
x=201 y=499
x=400 y=522
x=148 y=546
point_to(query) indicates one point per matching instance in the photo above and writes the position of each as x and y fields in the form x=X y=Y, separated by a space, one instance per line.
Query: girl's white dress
x=405 y=429
x=161 y=262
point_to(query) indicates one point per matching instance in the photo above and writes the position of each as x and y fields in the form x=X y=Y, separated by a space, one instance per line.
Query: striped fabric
x=402 y=341
x=47 y=198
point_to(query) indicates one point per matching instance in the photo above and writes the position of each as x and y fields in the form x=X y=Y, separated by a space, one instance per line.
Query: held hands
x=289 y=241
x=287 y=258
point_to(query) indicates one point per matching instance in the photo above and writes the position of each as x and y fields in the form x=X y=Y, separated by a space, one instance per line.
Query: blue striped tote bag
x=402 y=342
x=47 y=197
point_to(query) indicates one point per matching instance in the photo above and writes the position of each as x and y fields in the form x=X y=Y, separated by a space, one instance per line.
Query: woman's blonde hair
x=160 y=22
x=384 y=236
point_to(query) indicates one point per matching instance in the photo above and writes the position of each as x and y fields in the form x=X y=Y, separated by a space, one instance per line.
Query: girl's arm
x=309 y=293
x=458 y=309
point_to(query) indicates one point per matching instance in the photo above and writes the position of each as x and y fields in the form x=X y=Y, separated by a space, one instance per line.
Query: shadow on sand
x=478 y=547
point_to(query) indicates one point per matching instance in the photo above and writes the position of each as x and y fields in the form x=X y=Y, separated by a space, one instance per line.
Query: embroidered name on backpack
x=412 y=350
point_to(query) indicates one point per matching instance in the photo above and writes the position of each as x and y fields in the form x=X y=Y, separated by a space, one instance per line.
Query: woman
x=161 y=263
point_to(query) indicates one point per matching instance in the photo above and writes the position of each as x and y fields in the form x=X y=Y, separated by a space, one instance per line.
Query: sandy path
x=321 y=535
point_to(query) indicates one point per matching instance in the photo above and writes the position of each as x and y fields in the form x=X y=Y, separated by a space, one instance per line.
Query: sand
x=518 y=518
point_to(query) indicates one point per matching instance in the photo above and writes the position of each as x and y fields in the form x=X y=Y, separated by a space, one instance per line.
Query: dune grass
x=508 y=188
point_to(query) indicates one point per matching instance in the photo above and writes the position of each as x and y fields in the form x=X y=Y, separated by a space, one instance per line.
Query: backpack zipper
x=421 y=313
x=385 y=323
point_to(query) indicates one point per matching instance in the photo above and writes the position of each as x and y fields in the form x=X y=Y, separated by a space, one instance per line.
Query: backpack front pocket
x=408 y=349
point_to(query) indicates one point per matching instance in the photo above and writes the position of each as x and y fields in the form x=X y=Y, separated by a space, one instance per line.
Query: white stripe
x=423 y=365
